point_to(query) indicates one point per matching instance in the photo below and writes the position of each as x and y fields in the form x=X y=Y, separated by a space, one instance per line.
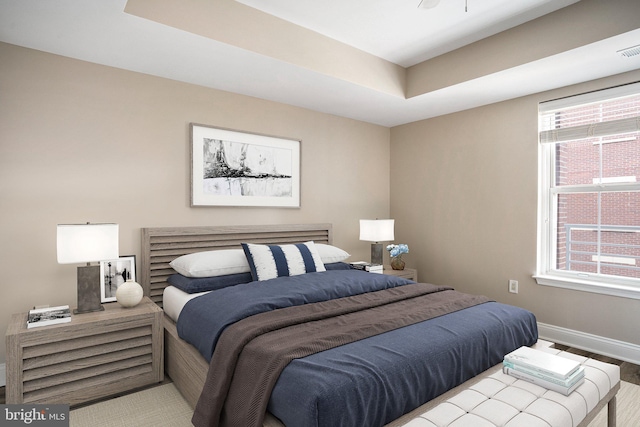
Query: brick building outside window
x=597 y=226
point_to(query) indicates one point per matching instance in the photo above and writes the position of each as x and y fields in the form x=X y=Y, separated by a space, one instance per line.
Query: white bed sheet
x=173 y=300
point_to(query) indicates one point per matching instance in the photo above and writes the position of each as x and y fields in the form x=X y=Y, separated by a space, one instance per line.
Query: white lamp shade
x=78 y=243
x=428 y=4
x=376 y=230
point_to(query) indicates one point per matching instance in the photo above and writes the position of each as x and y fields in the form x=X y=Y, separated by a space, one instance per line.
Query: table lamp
x=79 y=243
x=376 y=230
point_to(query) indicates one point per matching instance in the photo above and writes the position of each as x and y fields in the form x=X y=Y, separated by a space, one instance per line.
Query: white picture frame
x=233 y=168
x=113 y=273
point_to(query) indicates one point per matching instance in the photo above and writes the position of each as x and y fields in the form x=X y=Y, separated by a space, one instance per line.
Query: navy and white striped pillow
x=271 y=261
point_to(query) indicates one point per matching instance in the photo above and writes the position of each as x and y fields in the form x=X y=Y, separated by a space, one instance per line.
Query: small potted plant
x=396 y=251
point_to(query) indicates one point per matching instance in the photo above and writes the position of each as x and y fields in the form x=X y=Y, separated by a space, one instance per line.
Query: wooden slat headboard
x=162 y=245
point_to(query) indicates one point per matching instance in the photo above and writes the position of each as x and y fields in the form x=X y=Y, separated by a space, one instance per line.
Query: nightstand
x=407 y=273
x=95 y=355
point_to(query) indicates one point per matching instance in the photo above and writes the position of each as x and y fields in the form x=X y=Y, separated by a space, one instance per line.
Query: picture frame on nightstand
x=113 y=273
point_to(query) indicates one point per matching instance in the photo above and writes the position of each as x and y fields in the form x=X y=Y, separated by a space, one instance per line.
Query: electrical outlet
x=513 y=286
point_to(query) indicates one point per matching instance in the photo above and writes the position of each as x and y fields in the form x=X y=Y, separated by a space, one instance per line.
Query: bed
x=472 y=338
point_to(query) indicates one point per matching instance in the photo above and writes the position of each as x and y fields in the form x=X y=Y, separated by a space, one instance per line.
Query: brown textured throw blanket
x=251 y=353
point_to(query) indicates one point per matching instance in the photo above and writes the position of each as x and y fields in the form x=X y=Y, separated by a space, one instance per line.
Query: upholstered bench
x=497 y=399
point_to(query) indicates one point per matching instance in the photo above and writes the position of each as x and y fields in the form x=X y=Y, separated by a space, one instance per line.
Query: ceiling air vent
x=630 y=51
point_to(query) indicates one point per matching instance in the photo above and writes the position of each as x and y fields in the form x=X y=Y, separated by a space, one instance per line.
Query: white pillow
x=211 y=263
x=331 y=254
x=271 y=261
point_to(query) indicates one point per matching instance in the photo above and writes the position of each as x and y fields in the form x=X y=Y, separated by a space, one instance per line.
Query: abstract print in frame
x=232 y=168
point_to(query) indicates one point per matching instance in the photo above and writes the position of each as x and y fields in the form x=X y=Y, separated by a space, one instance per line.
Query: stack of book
x=48 y=316
x=544 y=369
x=362 y=265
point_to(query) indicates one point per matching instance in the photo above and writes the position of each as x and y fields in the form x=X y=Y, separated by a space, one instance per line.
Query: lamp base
x=88 y=290
x=376 y=253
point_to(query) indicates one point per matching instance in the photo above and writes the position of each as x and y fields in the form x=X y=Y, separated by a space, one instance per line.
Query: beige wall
x=464 y=197
x=83 y=142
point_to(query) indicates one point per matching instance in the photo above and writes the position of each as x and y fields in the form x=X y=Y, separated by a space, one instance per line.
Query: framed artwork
x=232 y=168
x=113 y=273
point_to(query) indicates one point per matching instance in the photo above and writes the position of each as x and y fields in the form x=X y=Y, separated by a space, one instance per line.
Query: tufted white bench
x=497 y=399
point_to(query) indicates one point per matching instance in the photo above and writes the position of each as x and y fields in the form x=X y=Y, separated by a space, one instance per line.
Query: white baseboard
x=605 y=346
x=3 y=374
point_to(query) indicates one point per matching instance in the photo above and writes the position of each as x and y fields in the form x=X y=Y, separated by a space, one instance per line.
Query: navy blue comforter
x=372 y=381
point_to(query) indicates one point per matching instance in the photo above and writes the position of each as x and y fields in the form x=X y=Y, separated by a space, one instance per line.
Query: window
x=589 y=192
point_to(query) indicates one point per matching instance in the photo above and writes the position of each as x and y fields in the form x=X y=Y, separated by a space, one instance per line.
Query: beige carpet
x=628 y=404
x=158 y=406
x=163 y=406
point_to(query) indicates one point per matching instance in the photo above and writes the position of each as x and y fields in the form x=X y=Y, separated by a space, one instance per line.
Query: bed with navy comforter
x=341 y=347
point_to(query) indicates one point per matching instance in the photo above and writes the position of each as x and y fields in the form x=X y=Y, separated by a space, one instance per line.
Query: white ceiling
x=402 y=33
x=100 y=31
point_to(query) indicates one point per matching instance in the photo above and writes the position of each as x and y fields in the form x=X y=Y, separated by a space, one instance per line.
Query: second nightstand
x=407 y=273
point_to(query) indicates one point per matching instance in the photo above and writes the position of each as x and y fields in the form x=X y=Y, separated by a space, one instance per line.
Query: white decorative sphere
x=129 y=294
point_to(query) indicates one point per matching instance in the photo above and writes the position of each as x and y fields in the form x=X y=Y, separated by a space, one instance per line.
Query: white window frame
x=546 y=271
